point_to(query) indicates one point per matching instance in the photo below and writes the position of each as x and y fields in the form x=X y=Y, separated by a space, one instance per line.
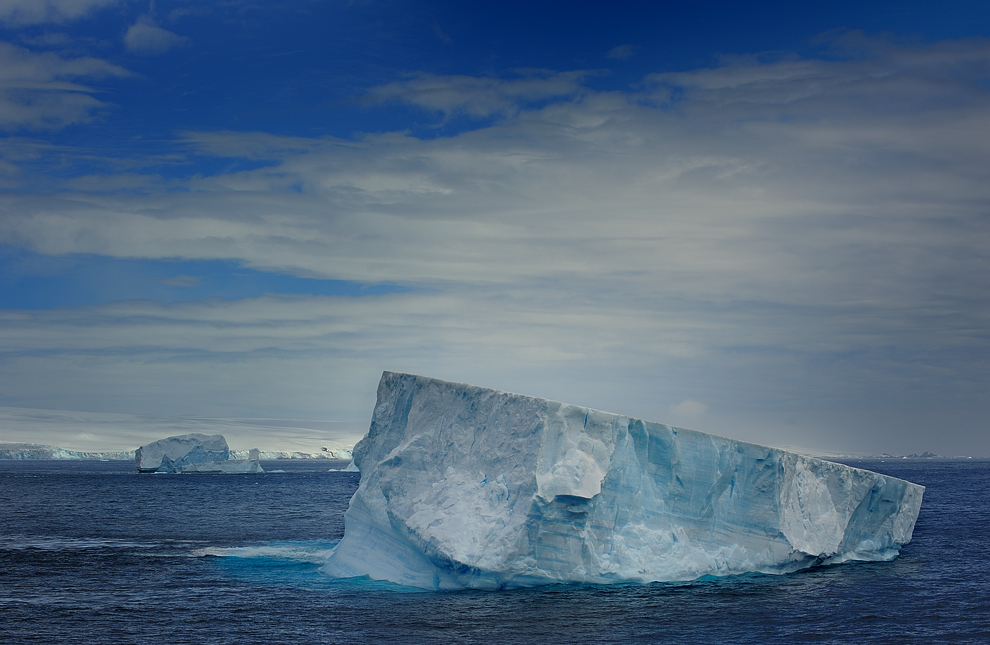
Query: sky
x=768 y=221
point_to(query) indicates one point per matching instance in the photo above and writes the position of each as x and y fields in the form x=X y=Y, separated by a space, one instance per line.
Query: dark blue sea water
x=91 y=552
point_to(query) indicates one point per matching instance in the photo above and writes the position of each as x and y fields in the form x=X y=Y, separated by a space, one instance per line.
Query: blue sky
x=765 y=220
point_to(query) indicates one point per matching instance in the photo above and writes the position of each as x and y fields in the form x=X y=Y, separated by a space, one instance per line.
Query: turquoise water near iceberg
x=92 y=552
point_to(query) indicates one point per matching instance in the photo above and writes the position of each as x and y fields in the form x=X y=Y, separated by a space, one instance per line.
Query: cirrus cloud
x=43 y=90
x=147 y=38
x=30 y=12
x=480 y=96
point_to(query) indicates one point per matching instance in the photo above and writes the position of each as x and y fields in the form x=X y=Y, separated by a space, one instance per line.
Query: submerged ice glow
x=466 y=487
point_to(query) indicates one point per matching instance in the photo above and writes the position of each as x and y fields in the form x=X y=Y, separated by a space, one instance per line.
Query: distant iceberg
x=466 y=487
x=193 y=453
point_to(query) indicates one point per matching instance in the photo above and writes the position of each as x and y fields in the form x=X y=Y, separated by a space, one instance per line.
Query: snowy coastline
x=18 y=451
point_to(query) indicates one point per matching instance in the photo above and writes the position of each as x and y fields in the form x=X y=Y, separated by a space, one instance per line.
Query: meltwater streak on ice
x=466 y=487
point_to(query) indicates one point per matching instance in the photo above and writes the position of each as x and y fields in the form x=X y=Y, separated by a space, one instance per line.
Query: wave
x=301 y=552
x=314 y=552
x=60 y=543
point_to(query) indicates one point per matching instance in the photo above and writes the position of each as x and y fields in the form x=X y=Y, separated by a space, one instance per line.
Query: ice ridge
x=467 y=487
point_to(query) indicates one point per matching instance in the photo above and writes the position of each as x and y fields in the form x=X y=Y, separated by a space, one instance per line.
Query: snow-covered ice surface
x=466 y=487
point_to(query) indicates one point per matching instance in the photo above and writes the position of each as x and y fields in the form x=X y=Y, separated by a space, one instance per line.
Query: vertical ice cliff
x=465 y=487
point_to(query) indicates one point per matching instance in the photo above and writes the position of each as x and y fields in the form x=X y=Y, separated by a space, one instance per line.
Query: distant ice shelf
x=31 y=451
x=23 y=451
x=466 y=487
x=338 y=453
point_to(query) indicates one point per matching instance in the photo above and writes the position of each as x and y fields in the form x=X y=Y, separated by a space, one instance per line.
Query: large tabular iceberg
x=465 y=487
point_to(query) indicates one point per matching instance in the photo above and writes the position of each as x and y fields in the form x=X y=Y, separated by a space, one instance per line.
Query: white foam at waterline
x=313 y=553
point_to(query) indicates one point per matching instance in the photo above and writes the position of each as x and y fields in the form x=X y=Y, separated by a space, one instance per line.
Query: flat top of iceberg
x=805 y=452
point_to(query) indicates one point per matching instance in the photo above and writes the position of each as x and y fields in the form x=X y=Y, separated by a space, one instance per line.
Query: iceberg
x=467 y=487
x=172 y=453
x=193 y=453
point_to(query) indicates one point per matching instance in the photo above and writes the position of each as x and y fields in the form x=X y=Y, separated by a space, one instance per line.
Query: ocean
x=92 y=552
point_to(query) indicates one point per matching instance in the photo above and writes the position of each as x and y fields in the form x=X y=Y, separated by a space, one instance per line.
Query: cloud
x=30 y=12
x=147 y=38
x=115 y=182
x=479 y=97
x=688 y=410
x=622 y=52
x=182 y=281
x=776 y=237
x=95 y=431
x=894 y=77
x=41 y=90
x=330 y=348
x=444 y=38
x=320 y=357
